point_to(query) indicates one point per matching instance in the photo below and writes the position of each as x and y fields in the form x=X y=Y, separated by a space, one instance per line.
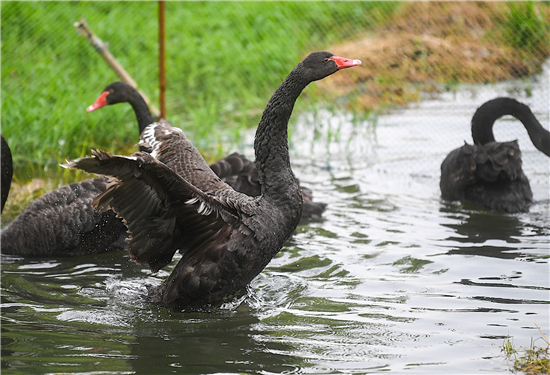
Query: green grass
x=534 y=361
x=224 y=59
x=526 y=27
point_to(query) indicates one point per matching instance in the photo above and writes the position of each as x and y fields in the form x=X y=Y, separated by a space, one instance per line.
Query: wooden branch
x=102 y=48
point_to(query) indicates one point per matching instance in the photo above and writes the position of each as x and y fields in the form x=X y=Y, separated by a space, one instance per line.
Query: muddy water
x=391 y=279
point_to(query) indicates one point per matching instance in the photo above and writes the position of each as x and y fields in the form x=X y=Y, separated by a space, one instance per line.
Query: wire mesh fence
x=224 y=59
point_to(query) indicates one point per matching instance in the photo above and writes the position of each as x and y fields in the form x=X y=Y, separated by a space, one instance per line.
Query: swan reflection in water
x=481 y=231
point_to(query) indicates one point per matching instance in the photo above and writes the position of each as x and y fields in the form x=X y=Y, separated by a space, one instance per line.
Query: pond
x=390 y=279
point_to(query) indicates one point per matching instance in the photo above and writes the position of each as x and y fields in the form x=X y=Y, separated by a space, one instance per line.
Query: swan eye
x=326 y=60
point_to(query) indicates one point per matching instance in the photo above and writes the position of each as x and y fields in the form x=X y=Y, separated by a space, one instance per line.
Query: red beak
x=343 y=63
x=100 y=102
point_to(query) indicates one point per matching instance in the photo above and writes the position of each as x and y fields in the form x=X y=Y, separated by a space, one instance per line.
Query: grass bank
x=434 y=46
x=224 y=60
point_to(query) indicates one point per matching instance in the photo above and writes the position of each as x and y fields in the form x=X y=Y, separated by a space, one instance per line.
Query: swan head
x=321 y=64
x=116 y=92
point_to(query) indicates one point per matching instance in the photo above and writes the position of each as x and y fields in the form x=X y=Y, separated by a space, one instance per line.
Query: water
x=391 y=279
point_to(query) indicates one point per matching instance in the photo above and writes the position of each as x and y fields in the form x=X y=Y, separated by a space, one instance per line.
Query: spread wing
x=162 y=210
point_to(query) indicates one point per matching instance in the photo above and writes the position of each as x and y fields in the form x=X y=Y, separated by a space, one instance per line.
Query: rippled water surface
x=391 y=279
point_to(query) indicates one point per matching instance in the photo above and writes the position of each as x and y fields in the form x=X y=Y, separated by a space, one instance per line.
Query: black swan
x=7 y=171
x=63 y=222
x=172 y=200
x=235 y=169
x=489 y=173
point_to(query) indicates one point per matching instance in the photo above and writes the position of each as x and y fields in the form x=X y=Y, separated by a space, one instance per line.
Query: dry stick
x=542 y=333
x=101 y=47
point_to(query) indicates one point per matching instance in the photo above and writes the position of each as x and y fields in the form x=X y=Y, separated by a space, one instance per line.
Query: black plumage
x=63 y=222
x=6 y=170
x=234 y=169
x=171 y=200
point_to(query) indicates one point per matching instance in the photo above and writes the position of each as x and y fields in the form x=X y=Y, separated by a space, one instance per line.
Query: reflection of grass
x=304 y=264
x=414 y=265
x=534 y=361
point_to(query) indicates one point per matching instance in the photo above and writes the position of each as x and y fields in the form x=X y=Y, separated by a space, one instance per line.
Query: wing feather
x=152 y=198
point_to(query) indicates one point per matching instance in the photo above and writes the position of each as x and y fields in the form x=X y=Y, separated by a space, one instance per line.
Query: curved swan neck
x=271 y=141
x=486 y=115
x=143 y=114
x=539 y=136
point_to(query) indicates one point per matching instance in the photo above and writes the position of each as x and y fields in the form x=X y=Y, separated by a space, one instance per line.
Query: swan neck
x=486 y=115
x=271 y=141
x=143 y=114
x=539 y=136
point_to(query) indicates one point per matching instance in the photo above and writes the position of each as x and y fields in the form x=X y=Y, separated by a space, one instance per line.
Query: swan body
x=171 y=200
x=63 y=222
x=489 y=173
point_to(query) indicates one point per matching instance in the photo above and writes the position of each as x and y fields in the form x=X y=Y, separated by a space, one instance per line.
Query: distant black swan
x=489 y=173
x=171 y=200
x=235 y=169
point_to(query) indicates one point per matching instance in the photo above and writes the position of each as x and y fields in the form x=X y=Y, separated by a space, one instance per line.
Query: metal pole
x=162 y=70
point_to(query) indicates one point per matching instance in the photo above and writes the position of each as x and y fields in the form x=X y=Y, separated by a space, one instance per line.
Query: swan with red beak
x=172 y=201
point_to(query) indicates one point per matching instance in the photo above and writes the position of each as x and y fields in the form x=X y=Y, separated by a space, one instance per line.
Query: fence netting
x=225 y=58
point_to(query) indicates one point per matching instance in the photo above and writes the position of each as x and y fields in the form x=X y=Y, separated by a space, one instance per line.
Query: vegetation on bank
x=223 y=62
x=225 y=59
x=433 y=46
x=532 y=361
